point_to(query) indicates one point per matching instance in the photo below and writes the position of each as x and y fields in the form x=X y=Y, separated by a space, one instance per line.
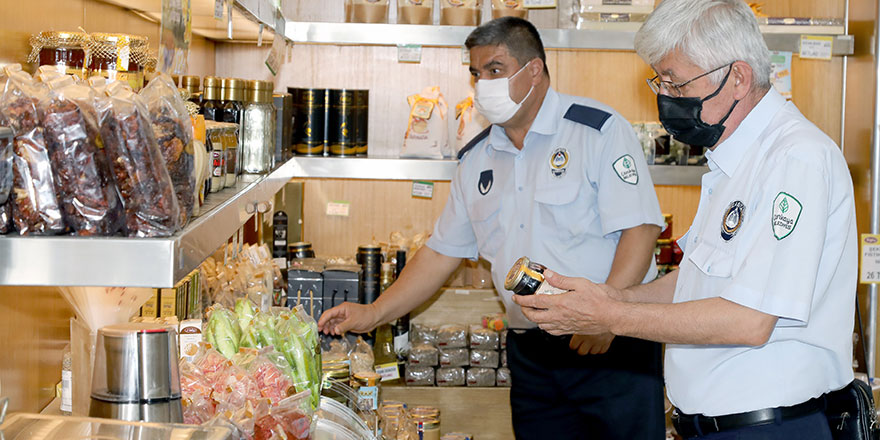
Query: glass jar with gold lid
x=258 y=128
x=119 y=57
x=66 y=51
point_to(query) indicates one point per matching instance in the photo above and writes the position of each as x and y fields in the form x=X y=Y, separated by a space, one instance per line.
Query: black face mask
x=681 y=118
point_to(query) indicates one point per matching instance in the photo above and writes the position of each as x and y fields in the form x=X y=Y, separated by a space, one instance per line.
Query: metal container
x=283 y=126
x=300 y=249
x=309 y=111
x=370 y=258
x=23 y=426
x=362 y=117
x=527 y=278
x=341 y=123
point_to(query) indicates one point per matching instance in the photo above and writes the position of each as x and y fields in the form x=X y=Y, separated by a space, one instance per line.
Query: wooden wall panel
x=35 y=327
x=681 y=202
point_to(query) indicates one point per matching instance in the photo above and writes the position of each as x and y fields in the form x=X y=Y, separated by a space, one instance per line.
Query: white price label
x=869 y=269
x=409 y=53
x=339 y=209
x=423 y=190
x=275 y=57
x=465 y=56
x=218 y=9
x=462 y=292
x=388 y=371
x=260 y=36
x=816 y=47
x=539 y=4
x=280 y=262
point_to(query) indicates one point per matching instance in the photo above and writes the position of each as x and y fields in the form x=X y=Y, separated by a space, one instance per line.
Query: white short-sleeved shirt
x=776 y=232
x=579 y=180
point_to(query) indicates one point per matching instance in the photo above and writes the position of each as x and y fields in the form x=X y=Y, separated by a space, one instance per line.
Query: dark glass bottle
x=233 y=95
x=211 y=99
x=400 y=331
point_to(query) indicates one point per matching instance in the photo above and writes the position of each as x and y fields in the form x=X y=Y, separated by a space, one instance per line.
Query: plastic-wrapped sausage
x=450 y=377
x=148 y=198
x=173 y=130
x=83 y=181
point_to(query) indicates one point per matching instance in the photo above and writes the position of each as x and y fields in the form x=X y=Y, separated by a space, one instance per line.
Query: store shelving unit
x=132 y=262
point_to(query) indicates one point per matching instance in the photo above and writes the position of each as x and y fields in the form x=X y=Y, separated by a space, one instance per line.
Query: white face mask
x=492 y=98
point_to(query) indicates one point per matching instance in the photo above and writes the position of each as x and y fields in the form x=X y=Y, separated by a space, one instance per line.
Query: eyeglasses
x=674 y=90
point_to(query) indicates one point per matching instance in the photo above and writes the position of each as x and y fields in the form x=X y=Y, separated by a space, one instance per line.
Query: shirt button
x=710 y=190
x=520 y=188
x=522 y=226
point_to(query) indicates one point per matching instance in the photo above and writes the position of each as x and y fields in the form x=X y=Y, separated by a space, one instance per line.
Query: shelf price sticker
x=338 y=209
x=388 y=371
x=423 y=190
x=409 y=53
x=869 y=269
x=465 y=56
x=218 y=9
x=816 y=47
x=539 y=4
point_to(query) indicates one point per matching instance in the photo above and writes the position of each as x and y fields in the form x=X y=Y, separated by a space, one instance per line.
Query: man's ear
x=741 y=75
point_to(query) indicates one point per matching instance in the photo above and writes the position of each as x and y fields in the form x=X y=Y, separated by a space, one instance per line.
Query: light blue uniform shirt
x=562 y=200
x=776 y=232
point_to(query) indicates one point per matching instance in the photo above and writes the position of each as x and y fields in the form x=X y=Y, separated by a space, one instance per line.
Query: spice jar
x=211 y=105
x=258 y=128
x=218 y=158
x=119 y=57
x=233 y=156
x=66 y=51
x=367 y=384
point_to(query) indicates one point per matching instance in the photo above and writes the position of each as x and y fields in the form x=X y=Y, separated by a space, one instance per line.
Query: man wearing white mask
x=562 y=180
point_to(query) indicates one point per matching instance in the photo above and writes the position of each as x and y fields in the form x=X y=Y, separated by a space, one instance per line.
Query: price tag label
x=218 y=9
x=462 y=292
x=409 y=53
x=339 y=209
x=229 y=20
x=816 y=47
x=260 y=36
x=276 y=56
x=423 y=190
x=281 y=262
x=539 y=4
x=465 y=56
x=869 y=269
x=388 y=371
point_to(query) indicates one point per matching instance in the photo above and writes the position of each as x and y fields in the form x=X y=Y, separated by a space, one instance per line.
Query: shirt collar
x=546 y=123
x=729 y=153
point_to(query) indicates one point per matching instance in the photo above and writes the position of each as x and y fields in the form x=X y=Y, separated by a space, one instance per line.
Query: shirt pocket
x=712 y=261
x=560 y=207
x=484 y=215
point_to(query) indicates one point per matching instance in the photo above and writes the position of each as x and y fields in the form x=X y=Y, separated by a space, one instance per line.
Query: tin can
x=300 y=249
x=370 y=258
x=362 y=116
x=527 y=278
x=309 y=118
x=341 y=123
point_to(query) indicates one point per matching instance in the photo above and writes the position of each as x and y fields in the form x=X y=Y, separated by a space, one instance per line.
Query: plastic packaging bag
x=423 y=334
x=234 y=389
x=290 y=419
x=450 y=377
x=361 y=358
x=502 y=377
x=452 y=336
x=469 y=122
x=423 y=355
x=454 y=357
x=83 y=181
x=505 y=8
x=503 y=358
x=419 y=376
x=148 y=197
x=273 y=382
x=5 y=179
x=483 y=339
x=484 y=358
x=174 y=133
x=481 y=377
x=35 y=208
x=427 y=134
x=502 y=340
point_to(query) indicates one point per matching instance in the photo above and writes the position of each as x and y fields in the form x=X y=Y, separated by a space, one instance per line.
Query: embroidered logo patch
x=625 y=167
x=786 y=212
x=559 y=162
x=732 y=220
x=485 y=183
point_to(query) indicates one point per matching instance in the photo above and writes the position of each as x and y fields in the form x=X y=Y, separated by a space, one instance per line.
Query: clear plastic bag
x=454 y=357
x=173 y=130
x=502 y=339
x=503 y=358
x=502 y=377
x=148 y=198
x=452 y=336
x=483 y=339
x=423 y=334
x=424 y=355
x=419 y=376
x=450 y=377
x=83 y=181
x=35 y=208
x=484 y=358
x=235 y=389
x=5 y=179
x=290 y=419
x=273 y=381
x=361 y=358
x=481 y=377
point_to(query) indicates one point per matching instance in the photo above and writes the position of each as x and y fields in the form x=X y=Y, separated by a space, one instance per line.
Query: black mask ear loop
x=715 y=93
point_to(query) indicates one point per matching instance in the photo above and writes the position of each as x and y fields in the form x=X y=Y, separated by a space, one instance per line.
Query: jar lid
x=211 y=88
x=259 y=91
x=191 y=83
x=233 y=89
x=56 y=39
x=369 y=378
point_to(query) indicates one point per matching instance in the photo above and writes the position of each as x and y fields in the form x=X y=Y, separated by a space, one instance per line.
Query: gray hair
x=711 y=33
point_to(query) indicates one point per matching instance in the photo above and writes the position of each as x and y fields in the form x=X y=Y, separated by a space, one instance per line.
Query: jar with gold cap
x=211 y=105
x=192 y=84
x=65 y=51
x=119 y=57
x=258 y=128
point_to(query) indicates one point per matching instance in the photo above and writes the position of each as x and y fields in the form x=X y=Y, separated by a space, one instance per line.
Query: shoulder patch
x=589 y=116
x=473 y=143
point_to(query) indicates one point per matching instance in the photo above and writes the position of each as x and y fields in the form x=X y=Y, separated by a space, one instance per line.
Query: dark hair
x=519 y=36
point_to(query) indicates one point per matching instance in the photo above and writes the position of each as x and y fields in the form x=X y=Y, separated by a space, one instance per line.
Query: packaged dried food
x=174 y=133
x=427 y=131
x=450 y=377
x=361 y=357
x=5 y=180
x=469 y=122
x=502 y=377
x=481 y=377
x=484 y=358
x=35 y=209
x=502 y=340
x=505 y=8
x=424 y=355
x=366 y=11
x=290 y=419
x=502 y=358
x=423 y=334
x=454 y=357
x=415 y=12
x=483 y=339
x=419 y=376
x=148 y=198
x=83 y=181
x=460 y=12
x=452 y=336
